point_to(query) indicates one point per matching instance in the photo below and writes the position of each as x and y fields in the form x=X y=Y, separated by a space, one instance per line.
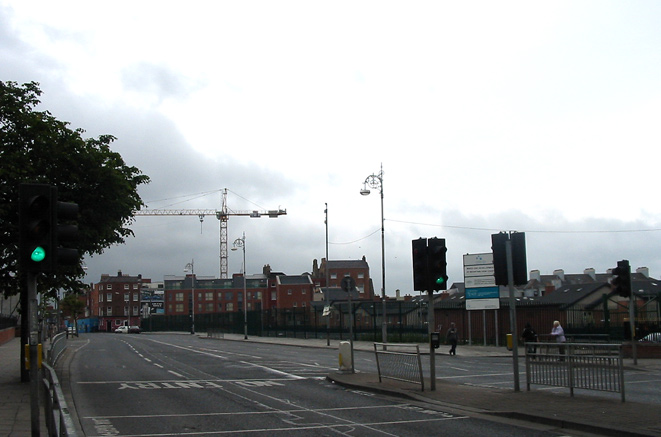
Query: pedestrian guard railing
x=215 y=333
x=400 y=362
x=589 y=366
x=59 y=421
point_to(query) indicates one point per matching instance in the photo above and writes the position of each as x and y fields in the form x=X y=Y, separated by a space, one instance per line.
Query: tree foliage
x=36 y=147
x=72 y=306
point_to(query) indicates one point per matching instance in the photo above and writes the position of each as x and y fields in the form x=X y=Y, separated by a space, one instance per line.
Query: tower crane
x=222 y=215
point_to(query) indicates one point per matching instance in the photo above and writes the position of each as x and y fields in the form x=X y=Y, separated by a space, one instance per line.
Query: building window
x=135 y=310
x=135 y=297
x=108 y=297
x=229 y=306
x=179 y=297
x=126 y=297
x=229 y=295
x=208 y=296
x=333 y=275
x=126 y=286
x=289 y=292
x=209 y=307
x=126 y=311
x=361 y=275
x=109 y=311
x=135 y=286
x=274 y=295
x=179 y=308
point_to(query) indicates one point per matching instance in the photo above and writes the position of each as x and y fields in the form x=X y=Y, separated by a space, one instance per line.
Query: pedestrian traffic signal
x=36 y=228
x=438 y=278
x=621 y=281
x=420 y=275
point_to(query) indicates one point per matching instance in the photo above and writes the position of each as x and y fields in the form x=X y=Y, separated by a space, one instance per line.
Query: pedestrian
x=452 y=339
x=559 y=335
x=529 y=336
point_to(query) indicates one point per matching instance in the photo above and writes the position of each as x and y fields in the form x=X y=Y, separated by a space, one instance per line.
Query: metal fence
x=589 y=366
x=58 y=419
x=406 y=322
x=400 y=362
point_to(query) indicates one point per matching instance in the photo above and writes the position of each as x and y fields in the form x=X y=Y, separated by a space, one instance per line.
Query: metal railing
x=58 y=420
x=57 y=345
x=215 y=333
x=589 y=366
x=400 y=362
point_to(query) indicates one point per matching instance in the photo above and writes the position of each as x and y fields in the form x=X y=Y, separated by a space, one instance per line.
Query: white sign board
x=480 y=283
x=482 y=304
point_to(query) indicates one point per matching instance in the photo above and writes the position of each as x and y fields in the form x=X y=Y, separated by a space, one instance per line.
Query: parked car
x=654 y=337
x=134 y=330
x=122 y=330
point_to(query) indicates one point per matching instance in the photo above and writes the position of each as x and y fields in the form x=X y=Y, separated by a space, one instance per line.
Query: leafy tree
x=72 y=306
x=36 y=147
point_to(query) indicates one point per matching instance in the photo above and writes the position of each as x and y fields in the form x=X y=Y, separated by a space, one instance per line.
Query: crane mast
x=222 y=215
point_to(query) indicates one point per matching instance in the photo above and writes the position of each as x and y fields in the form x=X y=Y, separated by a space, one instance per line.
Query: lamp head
x=364 y=191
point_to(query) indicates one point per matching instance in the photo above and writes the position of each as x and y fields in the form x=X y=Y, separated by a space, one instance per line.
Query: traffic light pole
x=430 y=328
x=33 y=347
x=512 y=301
x=632 y=324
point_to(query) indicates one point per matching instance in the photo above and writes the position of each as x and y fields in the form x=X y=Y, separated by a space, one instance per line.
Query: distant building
x=116 y=300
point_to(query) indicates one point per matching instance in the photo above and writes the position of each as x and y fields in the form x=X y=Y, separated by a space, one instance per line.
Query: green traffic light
x=38 y=254
x=440 y=280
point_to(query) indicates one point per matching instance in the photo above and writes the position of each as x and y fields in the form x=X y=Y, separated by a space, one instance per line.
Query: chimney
x=645 y=271
x=535 y=275
x=119 y=274
x=560 y=274
x=591 y=273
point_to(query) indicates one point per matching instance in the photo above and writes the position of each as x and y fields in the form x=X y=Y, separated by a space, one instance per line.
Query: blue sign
x=483 y=293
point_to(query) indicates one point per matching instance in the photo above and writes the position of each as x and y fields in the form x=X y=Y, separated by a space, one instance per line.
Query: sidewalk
x=15 y=408
x=592 y=414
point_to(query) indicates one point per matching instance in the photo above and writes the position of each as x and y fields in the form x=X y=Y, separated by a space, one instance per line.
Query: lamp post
x=327 y=282
x=241 y=242
x=190 y=267
x=376 y=181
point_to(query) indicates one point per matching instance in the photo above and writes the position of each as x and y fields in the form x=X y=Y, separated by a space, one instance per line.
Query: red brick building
x=116 y=301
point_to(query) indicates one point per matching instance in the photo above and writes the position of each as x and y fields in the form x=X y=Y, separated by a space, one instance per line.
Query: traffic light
x=66 y=232
x=621 y=281
x=420 y=264
x=438 y=278
x=36 y=227
x=519 y=263
x=498 y=242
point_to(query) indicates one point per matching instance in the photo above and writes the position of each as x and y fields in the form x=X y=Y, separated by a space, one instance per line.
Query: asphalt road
x=174 y=385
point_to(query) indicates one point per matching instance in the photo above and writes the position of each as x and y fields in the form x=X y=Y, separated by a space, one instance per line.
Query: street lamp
x=190 y=267
x=241 y=242
x=376 y=181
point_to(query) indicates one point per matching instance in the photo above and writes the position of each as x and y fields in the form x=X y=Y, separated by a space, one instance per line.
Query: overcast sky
x=540 y=117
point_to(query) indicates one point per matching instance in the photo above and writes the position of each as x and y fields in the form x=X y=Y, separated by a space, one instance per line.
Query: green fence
x=406 y=322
